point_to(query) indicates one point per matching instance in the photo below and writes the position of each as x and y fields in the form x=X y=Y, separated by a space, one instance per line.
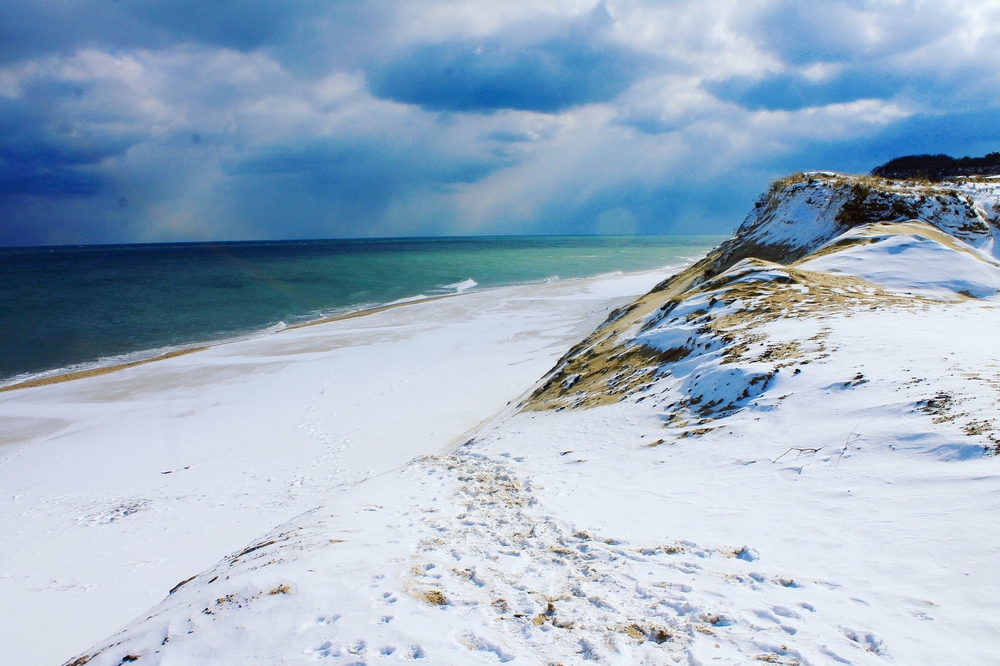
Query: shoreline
x=95 y=372
x=98 y=370
x=44 y=379
x=61 y=377
x=374 y=310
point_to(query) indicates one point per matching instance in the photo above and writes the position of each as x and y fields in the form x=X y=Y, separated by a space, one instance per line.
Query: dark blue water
x=65 y=306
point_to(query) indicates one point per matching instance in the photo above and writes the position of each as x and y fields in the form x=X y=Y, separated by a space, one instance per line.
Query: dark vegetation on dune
x=936 y=168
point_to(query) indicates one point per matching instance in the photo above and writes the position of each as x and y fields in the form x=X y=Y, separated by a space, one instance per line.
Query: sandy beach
x=61 y=377
x=118 y=486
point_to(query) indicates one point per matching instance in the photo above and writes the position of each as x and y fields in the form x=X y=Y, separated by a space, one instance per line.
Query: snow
x=867 y=550
x=789 y=463
x=914 y=261
x=797 y=218
x=115 y=488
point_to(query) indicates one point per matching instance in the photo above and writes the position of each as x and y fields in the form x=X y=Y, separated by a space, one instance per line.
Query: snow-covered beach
x=116 y=487
x=785 y=453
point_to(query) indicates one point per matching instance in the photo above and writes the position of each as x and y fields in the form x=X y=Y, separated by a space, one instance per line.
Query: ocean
x=68 y=308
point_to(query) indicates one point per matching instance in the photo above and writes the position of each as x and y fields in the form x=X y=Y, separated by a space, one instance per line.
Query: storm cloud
x=157 y=121
x=578 y=64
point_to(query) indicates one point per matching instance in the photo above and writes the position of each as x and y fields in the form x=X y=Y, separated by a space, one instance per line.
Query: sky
x=127 y=121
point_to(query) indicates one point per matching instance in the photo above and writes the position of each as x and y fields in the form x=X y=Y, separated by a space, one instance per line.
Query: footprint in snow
x=414 y=652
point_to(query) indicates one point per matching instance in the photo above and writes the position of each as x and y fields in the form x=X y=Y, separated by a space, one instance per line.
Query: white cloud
x=666 y=130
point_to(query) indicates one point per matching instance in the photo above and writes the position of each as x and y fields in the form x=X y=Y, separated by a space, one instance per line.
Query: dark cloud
x=326 y=188
x=958 y=90
x=486 y=76
x=239 y=24
x=43 y=152
x=360 y=168
x=251 y=118
x=29 y=28
x=790 y=92
x=50 y=182
x=844 y=31
x=900 y=51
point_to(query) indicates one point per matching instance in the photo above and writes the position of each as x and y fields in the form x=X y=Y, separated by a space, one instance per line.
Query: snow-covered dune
x=784 y=454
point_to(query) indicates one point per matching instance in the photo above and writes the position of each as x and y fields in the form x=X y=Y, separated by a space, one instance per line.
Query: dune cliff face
x=815 y=246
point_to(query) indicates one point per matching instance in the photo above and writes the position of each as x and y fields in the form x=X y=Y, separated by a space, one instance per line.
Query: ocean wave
x=398 y=301
x=459 y=287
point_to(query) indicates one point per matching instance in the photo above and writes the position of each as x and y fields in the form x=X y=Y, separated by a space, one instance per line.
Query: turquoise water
x=66 y=306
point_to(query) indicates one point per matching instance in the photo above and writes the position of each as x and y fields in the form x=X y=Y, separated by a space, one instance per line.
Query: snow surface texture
x=784 y=454
x=114 y=488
